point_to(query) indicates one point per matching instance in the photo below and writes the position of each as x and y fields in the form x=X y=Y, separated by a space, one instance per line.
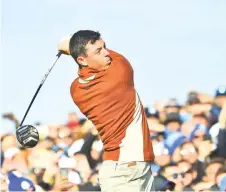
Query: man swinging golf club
x=104 y=92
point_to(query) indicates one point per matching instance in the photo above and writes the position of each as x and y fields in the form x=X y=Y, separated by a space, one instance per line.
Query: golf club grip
x=59 y=53
x=39 y=87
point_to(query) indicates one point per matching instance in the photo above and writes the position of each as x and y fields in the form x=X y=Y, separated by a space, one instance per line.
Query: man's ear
x=81 y=60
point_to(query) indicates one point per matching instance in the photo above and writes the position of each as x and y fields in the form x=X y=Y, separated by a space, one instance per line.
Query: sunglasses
x=176 y=175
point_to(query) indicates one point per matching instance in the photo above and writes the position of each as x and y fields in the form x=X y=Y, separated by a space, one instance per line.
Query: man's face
x=97 y=56
x=211 y=171
x=198 y=138
x=185 y=167
x=173 y=126
x=173 y=173
x=73 y=117
x=189 y=153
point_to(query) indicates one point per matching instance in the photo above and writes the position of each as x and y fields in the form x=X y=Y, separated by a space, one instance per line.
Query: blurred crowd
x=189 y=142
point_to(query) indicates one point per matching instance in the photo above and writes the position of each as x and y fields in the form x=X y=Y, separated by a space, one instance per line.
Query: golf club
x=27 y=135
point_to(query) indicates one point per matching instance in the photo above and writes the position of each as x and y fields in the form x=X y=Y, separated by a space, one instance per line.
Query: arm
x=222 y=133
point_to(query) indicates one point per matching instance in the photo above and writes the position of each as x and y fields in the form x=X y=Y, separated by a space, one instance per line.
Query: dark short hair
x=221 y=170
x=218 y=160
x=163 y=168
x=172 y=117
x=79 y=40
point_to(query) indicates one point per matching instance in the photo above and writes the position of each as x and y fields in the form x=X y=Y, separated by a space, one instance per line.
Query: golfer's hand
x=64 y=45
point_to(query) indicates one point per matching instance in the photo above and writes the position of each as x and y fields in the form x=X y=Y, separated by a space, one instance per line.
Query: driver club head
x=27 y=136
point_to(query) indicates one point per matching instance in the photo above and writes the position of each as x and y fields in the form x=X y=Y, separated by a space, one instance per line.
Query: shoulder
x=73 y=87
x=118 y=56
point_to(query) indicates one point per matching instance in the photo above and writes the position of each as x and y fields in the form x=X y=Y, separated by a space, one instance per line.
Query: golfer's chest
x=116 y=81
x=119 y=76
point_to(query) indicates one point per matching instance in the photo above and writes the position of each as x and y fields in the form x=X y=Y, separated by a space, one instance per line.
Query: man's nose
x=106 y=52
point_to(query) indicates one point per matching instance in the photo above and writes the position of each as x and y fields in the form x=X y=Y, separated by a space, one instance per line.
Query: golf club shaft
x=39 y=87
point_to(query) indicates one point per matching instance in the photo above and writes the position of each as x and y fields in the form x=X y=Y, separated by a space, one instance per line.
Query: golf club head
x=27 y=136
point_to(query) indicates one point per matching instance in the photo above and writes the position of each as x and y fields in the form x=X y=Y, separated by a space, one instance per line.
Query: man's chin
x=107 y=65
x=108 y=62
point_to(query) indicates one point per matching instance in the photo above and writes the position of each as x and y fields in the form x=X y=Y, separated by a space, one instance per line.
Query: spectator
x=172 y=106
x=173 y=122
x=190 y=153
x=173 y=173
x=220 y=99
x=211 y=170
x=189 y=174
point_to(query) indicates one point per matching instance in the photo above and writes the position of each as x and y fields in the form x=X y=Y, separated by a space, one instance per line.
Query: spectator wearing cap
x=172 y=105
x=219 y=100
x=218 y=134
x=220 y=96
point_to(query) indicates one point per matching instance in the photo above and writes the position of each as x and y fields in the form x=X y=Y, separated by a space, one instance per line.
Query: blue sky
x=173 y=46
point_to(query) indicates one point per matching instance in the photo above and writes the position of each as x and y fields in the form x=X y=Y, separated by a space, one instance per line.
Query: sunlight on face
x=97 y=56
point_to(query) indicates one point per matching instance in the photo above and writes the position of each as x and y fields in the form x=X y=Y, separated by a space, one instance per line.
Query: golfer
x=104 y=92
